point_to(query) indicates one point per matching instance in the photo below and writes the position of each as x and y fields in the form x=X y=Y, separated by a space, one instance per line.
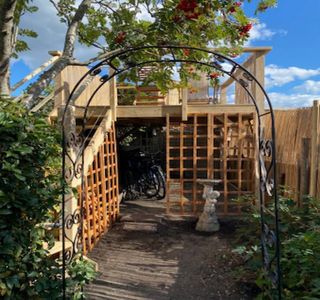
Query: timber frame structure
x=204 y=139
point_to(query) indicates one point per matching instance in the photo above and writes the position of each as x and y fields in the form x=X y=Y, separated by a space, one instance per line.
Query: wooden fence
x=297 y=146
x=100 y=203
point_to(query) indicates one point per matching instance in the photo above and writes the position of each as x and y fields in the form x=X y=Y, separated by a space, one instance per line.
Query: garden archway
x=123 y=60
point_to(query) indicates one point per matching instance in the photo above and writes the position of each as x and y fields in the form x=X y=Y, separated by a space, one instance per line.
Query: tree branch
x=67 y=56
x=73 y=28
x=7 y=38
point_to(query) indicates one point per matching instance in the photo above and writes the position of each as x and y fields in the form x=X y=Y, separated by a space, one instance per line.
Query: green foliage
x=300 y=248
x=23 y=7
x=81 y=271
x=111 y=25
x=127 y=96
x=30 y=190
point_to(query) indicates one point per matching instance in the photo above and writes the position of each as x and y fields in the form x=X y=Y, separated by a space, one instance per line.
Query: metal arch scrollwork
x=266 y=181
x=74 y=170
x=269 y=237
x=105 y=69
x=71 y=220
x=74 y=141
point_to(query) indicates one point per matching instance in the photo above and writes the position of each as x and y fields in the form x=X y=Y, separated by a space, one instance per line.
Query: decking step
x=139 y=226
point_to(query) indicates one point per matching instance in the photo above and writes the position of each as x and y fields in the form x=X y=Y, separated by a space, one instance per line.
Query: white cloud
x=282 y=100
x=51 y=33
x=261 y=32
x=309 y=86
x=277 y=76
x=144 y=14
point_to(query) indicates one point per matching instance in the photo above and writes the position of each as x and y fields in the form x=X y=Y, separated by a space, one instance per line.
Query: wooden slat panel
x=101 y=203
x=103 y=187
x=226 y=152
x=194 y=164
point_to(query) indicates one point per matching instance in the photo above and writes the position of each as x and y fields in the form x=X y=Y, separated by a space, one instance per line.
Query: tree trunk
x=67 y=56
x=7 y=37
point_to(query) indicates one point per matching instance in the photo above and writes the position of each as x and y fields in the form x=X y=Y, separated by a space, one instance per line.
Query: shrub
x=300 y=249
x=30 y=191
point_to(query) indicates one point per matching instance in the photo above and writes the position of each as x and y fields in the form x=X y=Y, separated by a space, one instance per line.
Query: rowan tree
x=109 y=25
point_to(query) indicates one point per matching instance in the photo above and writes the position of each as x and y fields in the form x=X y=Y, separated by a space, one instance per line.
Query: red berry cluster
x=232 y=9
x=214 y=75
x=187 y=5
x=176 y=18
x=120 y=37
x=186 y=52
x=244 y=30
x=190 y=70
x=189 y=8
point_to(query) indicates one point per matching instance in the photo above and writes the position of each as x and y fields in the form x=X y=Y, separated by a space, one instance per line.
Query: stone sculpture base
x=208 y=221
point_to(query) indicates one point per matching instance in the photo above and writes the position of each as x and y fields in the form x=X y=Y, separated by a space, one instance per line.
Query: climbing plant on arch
x=121 y=62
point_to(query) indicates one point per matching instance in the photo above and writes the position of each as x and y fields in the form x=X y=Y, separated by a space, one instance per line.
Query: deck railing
x=228 y=92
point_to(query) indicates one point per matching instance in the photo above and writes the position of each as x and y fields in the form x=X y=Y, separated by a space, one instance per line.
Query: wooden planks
x=216 y=146
x=149 y=95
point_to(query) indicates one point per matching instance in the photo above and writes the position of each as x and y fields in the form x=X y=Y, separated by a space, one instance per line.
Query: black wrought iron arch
x=270 y=241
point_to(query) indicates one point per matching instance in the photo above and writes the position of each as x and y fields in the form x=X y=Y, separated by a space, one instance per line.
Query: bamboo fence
x=297 y=150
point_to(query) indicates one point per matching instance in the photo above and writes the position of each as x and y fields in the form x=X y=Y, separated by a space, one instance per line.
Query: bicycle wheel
x=149 y=183
x=161 y=182
x=130 y=193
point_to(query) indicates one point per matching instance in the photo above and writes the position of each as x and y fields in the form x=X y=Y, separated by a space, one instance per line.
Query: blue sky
x=292 y=67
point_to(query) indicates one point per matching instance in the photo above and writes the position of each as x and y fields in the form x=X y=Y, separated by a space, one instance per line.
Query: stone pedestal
x=208 y=221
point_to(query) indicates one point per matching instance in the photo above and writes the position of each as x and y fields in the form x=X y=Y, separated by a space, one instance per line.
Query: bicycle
x=143 y=176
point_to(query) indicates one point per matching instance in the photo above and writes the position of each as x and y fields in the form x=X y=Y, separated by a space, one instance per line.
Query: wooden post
x=259 y=66
x=315 y=140
x=194 y=158
x=256 y=157
x=184 y=104
x=259 y=72
x=304 y=165
x=113 y=96
x=71 y=203
x=223 y=95
x=168 y=161
x=210 y=146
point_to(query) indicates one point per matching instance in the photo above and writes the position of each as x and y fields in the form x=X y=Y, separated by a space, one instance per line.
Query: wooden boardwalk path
x=143 y=259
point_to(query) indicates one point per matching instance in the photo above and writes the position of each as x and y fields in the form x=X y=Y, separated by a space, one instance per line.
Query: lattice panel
x=216 y=146
x=101 y=202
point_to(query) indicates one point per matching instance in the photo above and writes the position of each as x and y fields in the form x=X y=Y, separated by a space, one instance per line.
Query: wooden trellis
x=216 y=146
x=101 y=190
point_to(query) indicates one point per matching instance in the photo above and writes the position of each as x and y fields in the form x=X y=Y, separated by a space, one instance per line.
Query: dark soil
x=145 y=256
